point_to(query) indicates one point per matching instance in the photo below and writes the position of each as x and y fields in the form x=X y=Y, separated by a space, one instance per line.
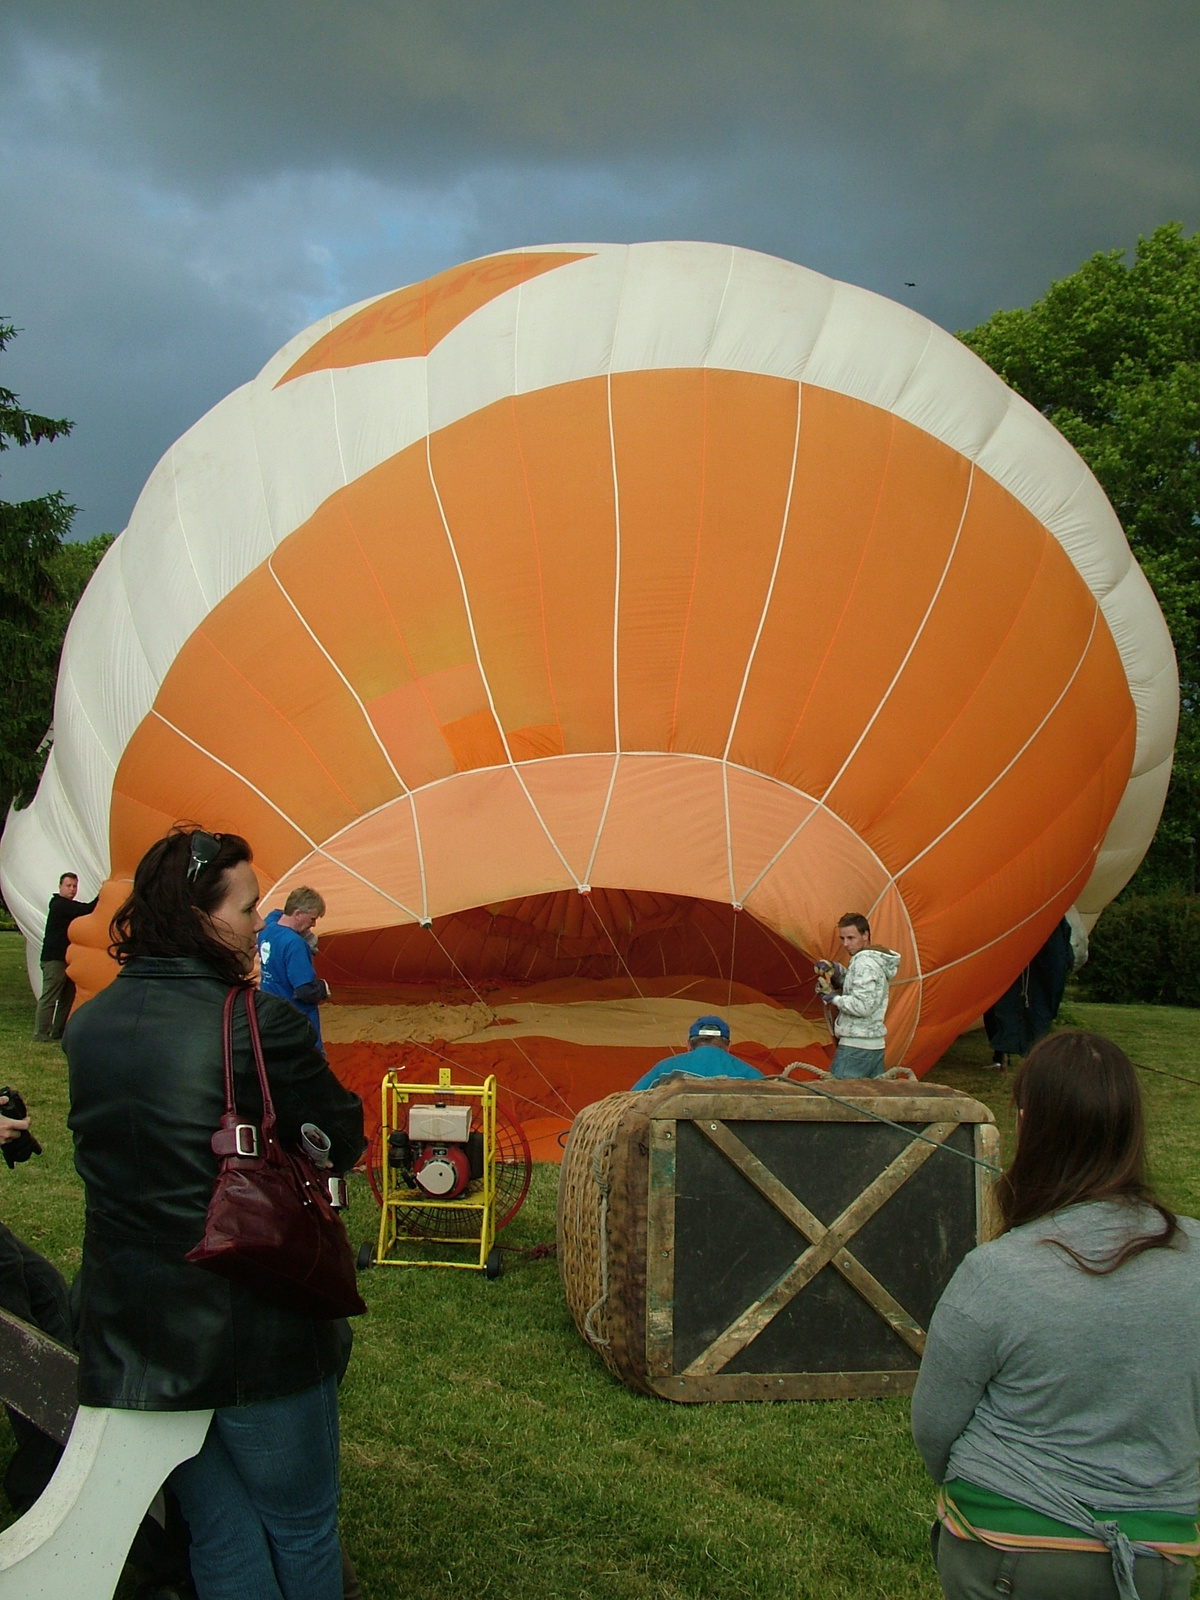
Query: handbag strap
x=268 y=1118
x=227 y=1051
x=268 y=1121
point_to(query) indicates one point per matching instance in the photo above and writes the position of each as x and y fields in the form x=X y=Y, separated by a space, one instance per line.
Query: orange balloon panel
x=689 y=638
x=412 y=321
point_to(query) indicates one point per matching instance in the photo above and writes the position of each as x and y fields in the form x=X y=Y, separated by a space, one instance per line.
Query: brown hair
x=1081 y=1136
x=855 y=919
x=160 y=916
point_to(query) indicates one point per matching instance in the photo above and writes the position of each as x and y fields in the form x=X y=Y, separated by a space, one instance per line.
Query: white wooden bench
x=72 y=1544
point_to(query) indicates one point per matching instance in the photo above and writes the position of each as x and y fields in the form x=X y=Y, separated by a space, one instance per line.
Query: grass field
x=486 y=1451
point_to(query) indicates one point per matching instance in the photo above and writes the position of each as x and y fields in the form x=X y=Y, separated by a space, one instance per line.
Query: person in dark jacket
x=58 y=992
x=156 y=1332
x=33 y=1289
x=1026 y=1011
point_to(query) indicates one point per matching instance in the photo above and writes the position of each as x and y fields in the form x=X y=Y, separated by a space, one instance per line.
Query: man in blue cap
x=708 y=1057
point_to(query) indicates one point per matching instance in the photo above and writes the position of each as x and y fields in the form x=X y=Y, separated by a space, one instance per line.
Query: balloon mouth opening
x=610 y=943
x=566 y=997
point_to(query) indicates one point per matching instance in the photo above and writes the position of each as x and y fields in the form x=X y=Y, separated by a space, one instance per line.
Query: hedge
x=1145 y=948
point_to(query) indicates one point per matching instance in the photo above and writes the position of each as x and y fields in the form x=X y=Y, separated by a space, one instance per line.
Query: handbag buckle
x=245 y=1139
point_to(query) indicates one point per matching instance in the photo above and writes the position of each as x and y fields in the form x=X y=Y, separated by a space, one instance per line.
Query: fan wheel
x=514 y=1169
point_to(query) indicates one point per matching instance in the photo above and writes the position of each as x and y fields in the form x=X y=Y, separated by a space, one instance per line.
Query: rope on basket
x=851 y=1105
x=602 y=1183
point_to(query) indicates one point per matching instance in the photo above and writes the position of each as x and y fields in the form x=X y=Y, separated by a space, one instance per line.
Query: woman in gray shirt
x=1058 y=1405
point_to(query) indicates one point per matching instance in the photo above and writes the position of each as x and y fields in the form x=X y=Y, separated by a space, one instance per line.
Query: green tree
x=41 y=580
x=1112 y=356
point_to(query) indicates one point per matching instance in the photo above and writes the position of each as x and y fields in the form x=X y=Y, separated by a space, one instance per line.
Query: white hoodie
x=862 y=1004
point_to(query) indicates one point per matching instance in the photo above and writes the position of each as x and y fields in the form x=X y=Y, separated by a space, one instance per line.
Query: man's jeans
x=850 y=1062
x=54 y=1006
x=261 y=1500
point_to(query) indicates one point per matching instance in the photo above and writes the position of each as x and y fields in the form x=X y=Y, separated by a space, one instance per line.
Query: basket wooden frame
x=819 y=1245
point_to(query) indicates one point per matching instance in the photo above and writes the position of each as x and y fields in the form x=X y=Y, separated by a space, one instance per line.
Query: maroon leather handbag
x=270 y=1225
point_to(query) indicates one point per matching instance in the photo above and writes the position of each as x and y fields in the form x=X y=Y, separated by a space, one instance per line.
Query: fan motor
x=440 y=1150
x=443 y=1171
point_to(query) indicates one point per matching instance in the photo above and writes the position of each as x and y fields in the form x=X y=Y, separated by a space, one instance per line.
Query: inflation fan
x=448 y=1166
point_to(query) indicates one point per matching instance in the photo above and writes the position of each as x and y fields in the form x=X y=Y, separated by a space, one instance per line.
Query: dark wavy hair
x=1081 y=1136
x=161 y=916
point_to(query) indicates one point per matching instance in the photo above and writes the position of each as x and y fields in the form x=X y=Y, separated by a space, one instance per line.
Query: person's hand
x=16 y=1142
x=824 y=986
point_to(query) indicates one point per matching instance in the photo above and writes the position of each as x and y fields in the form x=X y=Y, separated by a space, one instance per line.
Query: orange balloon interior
x=611 y=934
x=564 y=948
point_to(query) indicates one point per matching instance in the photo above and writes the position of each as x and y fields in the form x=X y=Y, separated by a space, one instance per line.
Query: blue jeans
x=261 y=1500
x=850 y=1062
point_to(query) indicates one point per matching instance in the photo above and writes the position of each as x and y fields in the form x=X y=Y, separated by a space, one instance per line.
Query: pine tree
x=41 y=579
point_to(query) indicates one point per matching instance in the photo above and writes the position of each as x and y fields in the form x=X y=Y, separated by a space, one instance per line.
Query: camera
x=24 y=1145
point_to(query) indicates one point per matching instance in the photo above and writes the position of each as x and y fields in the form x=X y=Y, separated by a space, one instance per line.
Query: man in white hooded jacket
x=858 y=995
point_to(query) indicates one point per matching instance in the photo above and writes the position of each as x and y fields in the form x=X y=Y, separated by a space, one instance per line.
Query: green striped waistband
x=974 y=1513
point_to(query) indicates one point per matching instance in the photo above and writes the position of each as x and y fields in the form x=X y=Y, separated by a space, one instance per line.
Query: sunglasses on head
x=206 y=847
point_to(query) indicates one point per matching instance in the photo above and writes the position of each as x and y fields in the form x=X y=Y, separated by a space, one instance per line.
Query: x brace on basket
x=825 y=1245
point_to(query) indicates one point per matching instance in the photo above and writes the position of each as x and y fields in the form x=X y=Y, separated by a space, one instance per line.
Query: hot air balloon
x=593 y=626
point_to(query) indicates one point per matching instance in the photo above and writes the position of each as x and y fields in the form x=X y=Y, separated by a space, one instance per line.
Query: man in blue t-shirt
x=285 y=954
x=708 y=1056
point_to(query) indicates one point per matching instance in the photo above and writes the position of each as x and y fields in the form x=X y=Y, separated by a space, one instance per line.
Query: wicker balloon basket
x=751 y=1241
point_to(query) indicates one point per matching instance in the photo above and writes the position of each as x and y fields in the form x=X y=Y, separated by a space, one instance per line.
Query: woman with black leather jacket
x=158 y=1333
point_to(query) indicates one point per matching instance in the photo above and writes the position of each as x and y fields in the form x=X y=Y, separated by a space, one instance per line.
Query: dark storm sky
x=186 y=183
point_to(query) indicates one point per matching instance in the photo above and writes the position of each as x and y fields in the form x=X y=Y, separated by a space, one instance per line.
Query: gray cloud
x=228 y=88
x=184 y=186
